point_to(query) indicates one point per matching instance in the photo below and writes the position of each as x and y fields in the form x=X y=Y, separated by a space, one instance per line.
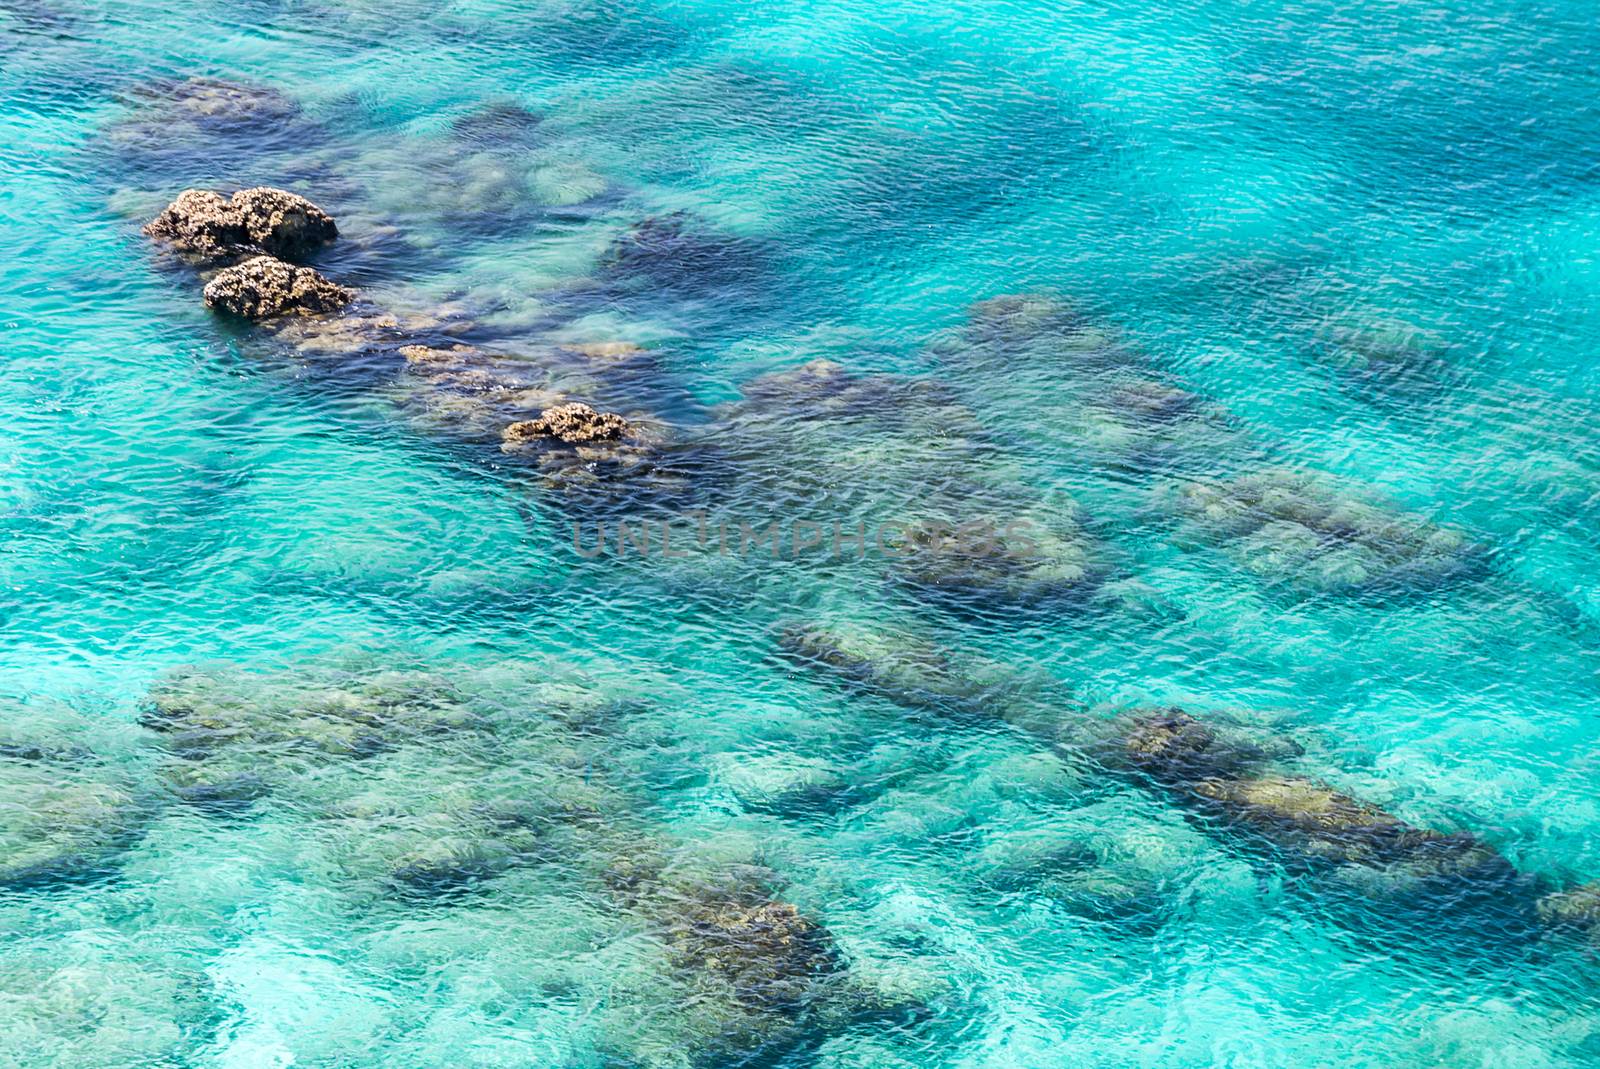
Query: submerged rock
x=1151 y=402
x=71 y=1003
x=233 y=736
x=1305 y=819
x=904 y=669
x=764 y=952
x=1034 y=327
x=680 y=252
x=1020 y=316
x=497 y=123
x=71 y=801
x=572 y=423
x=1386 y=357
x=998 y=562
x=64 y=824
x=217 y=102
x=1174 y=748
x=264 y=287
x=211 y=230
x=433 y=840
x=785 y=785
x=1575 y=910
x=752 y=975
x=1292 y=528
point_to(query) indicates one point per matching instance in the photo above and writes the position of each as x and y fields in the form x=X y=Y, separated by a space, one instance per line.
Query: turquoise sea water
x=1360 y=239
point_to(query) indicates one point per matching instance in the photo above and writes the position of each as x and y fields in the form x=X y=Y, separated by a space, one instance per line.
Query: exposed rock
x=211 y=230
x=203 y=225
x=572 y=423
x=264 y=287
x=283 y=224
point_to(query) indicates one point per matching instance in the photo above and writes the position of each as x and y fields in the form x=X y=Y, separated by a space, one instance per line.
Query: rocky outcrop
x=265 y=287
x=204 y=227
x=572 y=423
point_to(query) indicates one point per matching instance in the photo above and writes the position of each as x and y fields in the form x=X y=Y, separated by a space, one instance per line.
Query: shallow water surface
x=1178 y=428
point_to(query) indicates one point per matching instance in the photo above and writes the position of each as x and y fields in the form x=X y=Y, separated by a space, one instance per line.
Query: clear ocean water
x=324 y=746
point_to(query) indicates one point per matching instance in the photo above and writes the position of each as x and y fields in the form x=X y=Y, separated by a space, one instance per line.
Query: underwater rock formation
x=903 y=669
x=907 y=461
x=1230 y=783
x=1172 y=747
x=1576 y=910
x=1296 y=530
x=215 y=102
x=210 y=230
x=1079 y=878
x=682 y=254
x=412 y=790
x=61 y=822
x=523 y=405
x=1385 y=358
x=264 y=287
x=76 y=1005
x=234 y=736
x=67 y=811
x=785 y=785
x=209 y=129
x=1088 y=395
x=1011 y=561
x=1003 y=330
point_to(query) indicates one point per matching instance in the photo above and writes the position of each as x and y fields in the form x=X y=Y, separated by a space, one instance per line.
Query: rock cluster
x=265 y=287
x=210 y=230
x=573 y=423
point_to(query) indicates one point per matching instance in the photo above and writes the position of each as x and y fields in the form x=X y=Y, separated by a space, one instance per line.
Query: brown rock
x=264 y=287
x=201 y=224
x=204 y=226
x=283 y=224
x=571 y=423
